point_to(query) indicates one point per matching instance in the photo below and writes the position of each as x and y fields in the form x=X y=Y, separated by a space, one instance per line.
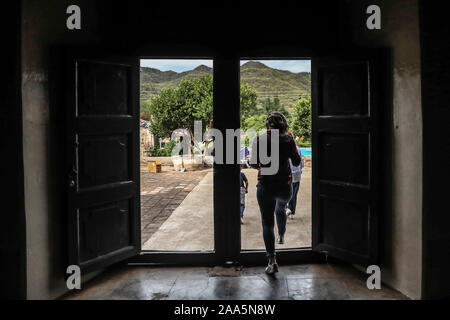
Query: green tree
x=256 y=122
x=180 y=107
x=248 y=98
x=270 y=105
x=192 y=100
x=166 y=111
x=197 y=97
x=301 y=119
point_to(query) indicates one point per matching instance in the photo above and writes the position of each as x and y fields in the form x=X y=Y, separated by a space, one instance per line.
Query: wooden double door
x=102 y=163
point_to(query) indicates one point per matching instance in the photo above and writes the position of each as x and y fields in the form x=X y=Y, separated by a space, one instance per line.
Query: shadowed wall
x=227 y=31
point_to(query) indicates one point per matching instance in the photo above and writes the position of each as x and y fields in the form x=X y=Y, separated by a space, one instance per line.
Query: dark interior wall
x=435 y=34
x=134 y=27
x=401 y=216
x=224 y=29
x=12 y=233
x=43 y=29
x=203 y=30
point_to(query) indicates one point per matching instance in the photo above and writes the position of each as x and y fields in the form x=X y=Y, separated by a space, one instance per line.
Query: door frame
x=285 y=255
x=227 y=228
x=221 y=251
x=227 y=236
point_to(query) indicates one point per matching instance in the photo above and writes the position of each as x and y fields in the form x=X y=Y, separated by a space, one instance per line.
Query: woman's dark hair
x=276 y=120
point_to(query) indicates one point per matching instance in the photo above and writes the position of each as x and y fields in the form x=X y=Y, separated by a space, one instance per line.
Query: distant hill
x=254 y=65
x=268 y=82
x=154 y=80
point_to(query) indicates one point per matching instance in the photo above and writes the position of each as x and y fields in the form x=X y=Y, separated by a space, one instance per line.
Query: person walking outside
x=244 y=191
x=296 y=177
x=274 y=191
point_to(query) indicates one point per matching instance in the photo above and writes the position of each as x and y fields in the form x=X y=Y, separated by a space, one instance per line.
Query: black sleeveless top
x=287 y=150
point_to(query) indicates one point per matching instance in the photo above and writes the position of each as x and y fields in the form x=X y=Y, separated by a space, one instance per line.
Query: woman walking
x=274 y=191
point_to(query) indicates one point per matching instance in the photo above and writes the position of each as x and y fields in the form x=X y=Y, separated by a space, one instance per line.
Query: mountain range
x=266 y=81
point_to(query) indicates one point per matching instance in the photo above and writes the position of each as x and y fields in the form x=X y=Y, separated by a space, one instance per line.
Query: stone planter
x=165 y=161
x=188 y=162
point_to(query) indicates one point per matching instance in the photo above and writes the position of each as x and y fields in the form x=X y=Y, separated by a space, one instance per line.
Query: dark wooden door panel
x=104 y=228
x=103 y=88
x=347 y=100
x=344 y=89
x=335 y=162
x=102 y=160
x=113 y=154
x=340 y=237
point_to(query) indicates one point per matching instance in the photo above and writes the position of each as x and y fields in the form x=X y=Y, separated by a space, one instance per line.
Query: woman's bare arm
x=293 y=153
x=254 y=163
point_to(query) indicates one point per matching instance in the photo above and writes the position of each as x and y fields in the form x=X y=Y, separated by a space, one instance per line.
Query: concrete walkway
x=190 y=226
x=161 y=194
x=298 y=231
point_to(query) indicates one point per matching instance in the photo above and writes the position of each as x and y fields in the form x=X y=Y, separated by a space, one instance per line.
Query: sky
x=180 y=65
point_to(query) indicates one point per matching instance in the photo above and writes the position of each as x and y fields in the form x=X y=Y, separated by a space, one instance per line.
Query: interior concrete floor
x=323 y=281
x=190 y=226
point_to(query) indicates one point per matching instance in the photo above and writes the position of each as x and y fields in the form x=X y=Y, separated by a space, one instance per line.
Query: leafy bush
x=162 y=152
x=306 y=144
x=302 y=142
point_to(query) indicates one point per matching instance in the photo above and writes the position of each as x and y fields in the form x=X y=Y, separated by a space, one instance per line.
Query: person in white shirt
x=296 y=177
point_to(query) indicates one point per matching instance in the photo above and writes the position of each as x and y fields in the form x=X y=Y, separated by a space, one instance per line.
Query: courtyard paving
x=298 y=230
x=178 y=212
x=161 y=194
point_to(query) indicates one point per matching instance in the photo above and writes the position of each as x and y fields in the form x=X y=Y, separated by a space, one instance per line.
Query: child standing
x=244 y=190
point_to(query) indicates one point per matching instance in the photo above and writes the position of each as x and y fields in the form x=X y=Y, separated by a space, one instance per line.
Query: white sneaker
x=291 y=216
x=288 y=212
x=242 y=220
x=271 y=268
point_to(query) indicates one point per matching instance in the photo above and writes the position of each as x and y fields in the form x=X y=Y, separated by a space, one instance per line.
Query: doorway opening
x=284 y=86
x=176 y=182
x=187 y=217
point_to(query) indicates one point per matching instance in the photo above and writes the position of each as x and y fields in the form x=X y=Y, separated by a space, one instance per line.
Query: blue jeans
x=292 y=204
x=242 y=210
x=273 y=199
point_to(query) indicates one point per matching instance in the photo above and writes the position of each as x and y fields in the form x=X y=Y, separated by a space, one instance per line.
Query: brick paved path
x=161 y=194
